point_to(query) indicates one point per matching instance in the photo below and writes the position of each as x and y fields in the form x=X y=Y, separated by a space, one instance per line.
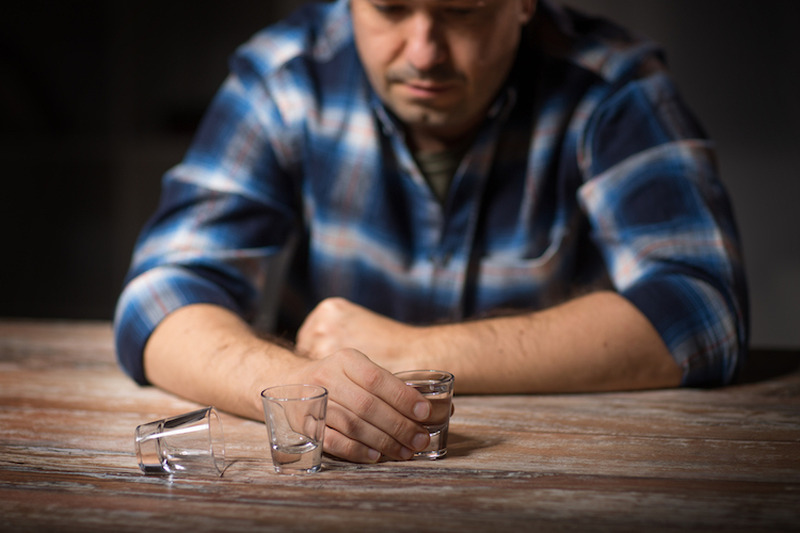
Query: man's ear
x=527 y=9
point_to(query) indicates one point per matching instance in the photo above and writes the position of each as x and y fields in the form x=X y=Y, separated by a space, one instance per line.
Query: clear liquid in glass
x=439 y=395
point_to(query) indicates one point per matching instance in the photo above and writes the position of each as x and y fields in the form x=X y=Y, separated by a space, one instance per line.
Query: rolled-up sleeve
x=664 y=224
x=218 y=223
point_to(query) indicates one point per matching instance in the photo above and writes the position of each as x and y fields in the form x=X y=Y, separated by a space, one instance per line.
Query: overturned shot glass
x=437 y=387
x=190 y=443
x=295 y=419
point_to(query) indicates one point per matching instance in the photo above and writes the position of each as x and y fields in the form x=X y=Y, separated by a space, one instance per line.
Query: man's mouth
x=427 y=89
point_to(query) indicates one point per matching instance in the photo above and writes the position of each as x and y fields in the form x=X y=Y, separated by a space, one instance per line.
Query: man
x=504 y=189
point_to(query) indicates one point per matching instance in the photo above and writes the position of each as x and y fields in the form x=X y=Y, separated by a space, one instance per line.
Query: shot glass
x=191 y=443
x=295 y=419
x=437 y=387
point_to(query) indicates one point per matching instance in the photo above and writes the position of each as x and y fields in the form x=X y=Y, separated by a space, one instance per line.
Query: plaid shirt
x=588 y=173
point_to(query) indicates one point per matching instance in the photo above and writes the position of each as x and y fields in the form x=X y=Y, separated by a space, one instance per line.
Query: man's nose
x=425 y=43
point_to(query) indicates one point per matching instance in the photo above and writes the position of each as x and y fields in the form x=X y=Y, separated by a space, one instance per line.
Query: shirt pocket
x=514 y=279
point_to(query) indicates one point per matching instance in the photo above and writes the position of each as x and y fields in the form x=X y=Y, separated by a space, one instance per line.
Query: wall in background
x=98 y=99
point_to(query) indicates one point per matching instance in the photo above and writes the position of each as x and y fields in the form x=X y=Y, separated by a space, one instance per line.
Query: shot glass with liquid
x=437 y=387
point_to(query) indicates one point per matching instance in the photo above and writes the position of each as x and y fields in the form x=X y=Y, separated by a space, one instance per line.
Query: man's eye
x=465 y=10
x=389 y=9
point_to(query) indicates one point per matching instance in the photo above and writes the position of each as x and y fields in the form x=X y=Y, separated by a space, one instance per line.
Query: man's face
x=438 y=64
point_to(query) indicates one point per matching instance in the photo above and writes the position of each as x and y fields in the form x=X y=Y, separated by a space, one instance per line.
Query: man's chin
x=432 y=122
x=425 y=116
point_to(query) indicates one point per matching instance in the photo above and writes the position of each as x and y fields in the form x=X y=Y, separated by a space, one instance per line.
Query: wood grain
x=724 y=459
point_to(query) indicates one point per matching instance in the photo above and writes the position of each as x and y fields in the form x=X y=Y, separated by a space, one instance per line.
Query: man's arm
x=208 y=354
x=597 y=342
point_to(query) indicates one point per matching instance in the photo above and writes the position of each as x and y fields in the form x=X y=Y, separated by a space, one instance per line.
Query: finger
x=351 y=450
x=316 y=346
x=306 y=336
x=393 y=391
x=369 y=437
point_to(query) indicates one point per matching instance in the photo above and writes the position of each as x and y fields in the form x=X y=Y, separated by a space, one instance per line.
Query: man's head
x=438 y=64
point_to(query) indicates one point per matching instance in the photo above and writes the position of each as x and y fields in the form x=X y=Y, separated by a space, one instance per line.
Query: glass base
x=292 y=471
x=437 y=448
x=430 y=454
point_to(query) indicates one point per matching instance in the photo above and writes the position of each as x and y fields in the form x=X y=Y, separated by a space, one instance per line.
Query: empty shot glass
x=295 y=419
x=437 y=387
x=190 y=443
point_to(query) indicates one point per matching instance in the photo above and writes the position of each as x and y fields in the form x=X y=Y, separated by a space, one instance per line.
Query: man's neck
x=425 y=141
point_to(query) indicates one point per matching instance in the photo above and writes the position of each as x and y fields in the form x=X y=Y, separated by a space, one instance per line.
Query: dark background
x=98 y=98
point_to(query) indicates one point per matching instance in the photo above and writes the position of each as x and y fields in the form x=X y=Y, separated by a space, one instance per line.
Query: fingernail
x=420 y=441
x=422 y=410
x=373 y=455
x=406 y=454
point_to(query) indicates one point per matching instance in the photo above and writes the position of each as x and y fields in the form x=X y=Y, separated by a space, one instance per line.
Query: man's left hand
x=337 y=323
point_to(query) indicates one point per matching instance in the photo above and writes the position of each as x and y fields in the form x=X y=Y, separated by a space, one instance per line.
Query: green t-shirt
x=439 y=169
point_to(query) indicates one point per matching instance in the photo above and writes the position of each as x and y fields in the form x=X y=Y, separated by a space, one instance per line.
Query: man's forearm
x=208 y=354
x=597 y=342
x=593 y=343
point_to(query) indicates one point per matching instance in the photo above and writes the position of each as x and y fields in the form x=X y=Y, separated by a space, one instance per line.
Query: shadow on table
x=459 y=445
x=763 y=365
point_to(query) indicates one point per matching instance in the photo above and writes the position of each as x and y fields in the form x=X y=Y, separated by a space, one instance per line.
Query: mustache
x=438 y=74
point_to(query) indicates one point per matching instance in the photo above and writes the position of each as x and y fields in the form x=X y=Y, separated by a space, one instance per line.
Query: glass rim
x=270 y=392
x=216 y=439
x=441 y=375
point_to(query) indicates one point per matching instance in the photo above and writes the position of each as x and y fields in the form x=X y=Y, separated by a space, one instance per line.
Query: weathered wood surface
x=725 y=459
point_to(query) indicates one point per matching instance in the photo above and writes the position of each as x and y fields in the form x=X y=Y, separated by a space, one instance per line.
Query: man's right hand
x=370 y=412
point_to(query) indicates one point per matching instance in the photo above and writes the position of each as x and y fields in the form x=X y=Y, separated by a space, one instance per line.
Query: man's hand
x=337 y=323
x=370 y=412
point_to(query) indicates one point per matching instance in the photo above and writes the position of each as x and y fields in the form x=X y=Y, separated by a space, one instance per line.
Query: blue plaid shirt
x=588 y=173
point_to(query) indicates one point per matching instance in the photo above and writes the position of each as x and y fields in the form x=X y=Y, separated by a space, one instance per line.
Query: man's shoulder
x=593 y=43
x=314 y=34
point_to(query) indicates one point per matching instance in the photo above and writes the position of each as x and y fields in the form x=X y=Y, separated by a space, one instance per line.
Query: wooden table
x=726 y=459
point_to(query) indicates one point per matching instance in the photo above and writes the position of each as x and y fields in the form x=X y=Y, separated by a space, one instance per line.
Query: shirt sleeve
x=664 y=224
x=225 y=211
